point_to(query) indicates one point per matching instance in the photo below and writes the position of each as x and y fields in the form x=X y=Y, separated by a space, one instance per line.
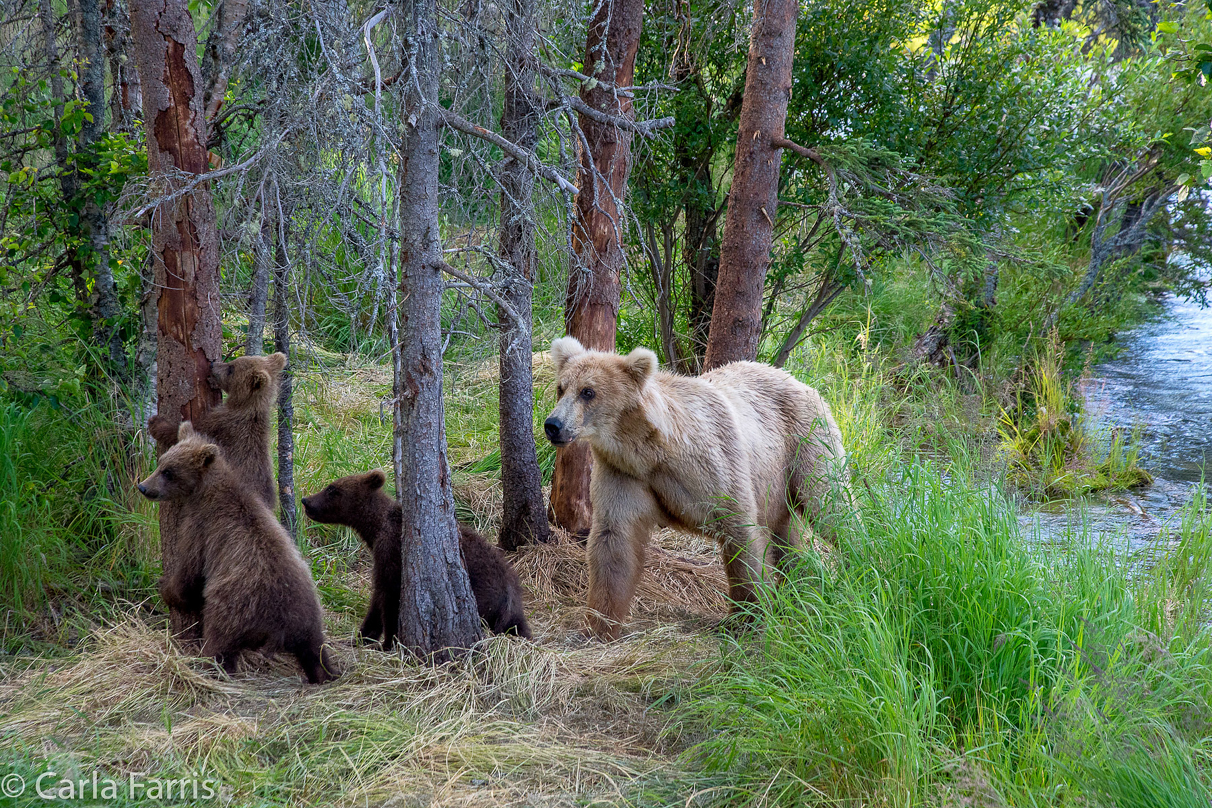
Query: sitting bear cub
x=251 y=585
x=733 y=455
x=359 y=501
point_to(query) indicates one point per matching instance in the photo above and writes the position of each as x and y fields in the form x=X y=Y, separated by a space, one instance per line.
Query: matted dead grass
x=561 y=721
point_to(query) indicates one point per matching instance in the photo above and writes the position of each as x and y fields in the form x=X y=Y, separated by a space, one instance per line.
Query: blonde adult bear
x=730 y=455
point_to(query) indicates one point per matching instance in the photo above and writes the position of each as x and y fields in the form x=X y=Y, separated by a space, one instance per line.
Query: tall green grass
x=937 y=657
x=73 y=531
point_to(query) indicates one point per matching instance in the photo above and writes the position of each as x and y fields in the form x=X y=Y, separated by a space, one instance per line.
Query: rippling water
x=1162 y=382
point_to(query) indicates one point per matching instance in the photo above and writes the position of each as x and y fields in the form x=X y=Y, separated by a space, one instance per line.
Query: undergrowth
x=938 y=658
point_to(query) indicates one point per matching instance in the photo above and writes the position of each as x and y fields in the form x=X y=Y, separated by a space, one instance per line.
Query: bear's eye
x=333 y=491
x=587 y=393
x=168 y=475
x=559 y=391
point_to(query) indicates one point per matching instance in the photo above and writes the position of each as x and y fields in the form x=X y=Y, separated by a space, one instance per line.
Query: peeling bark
x=184 y=240
x=591 y=308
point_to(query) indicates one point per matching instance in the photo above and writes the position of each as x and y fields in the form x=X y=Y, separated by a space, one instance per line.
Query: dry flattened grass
x=560 y=721
x=683 y=580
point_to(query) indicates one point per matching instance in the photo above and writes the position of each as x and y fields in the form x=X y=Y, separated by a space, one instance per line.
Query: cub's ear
x=277 y=361
x=259 y=379
x=207 y=455
x=185 y=431
x=563 y=349
x=640 y=364
x=375 y=479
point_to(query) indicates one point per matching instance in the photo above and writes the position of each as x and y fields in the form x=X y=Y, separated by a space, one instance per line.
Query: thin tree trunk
x=259 y=294
x=125 y=97
x=694 y=152
x=104 y=302
x=286 y=407
x=437 y=609
x=88 y=258
x=184 y=239
x=221 y=53
x=753 y=199
x=591 y=308
x=523 y=519
x=660 y=262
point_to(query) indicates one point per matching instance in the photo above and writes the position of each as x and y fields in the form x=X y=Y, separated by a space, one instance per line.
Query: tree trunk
x=524 y=518
x=258 y=296
x=104 y=302
x=694 y=151
x=752 y=202
x=221 y=53
x=437 y=609
x=125 y=97
x=286 y=407
x=184 y=240
x=591 y=308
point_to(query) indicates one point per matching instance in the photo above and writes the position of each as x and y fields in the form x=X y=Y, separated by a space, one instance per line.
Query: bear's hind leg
x=744 y=552
x=372 y=625
x=315 y=661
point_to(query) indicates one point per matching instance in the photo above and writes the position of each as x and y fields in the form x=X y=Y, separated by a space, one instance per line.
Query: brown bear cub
x=251 y=584
x=359 y=501
x=240 y=426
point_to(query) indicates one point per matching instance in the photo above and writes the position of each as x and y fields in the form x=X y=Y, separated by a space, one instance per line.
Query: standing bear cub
x=359 y=501
x=240 y=426
x=250 y=583
x=730 y=455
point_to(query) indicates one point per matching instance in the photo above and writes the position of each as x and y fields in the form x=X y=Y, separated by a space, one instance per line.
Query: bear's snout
x=145 y=491
x=553 y=427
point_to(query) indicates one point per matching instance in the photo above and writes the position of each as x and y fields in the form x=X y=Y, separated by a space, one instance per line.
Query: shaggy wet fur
x=732 y=455
x=240 y=426
x=359 y=501
x=245 y=574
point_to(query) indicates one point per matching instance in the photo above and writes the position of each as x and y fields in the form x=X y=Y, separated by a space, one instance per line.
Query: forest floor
x=559 y=721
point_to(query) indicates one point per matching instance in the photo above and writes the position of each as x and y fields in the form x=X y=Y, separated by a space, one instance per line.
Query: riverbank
x=1159 y=389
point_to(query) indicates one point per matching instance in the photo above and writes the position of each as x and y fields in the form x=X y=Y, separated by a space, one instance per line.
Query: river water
x=1161 y=383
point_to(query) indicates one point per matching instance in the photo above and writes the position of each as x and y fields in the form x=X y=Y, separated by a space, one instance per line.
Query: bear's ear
x=563 y=349
x=185 y=431
x=640 y=364
x=207 y=455
x=375 y=479
x=258 y=380
x=277 y=361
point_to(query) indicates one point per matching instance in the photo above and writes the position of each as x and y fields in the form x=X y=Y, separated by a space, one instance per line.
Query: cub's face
x=183 y=468
x=343 y=501
x=594 y=389
x=248 y=376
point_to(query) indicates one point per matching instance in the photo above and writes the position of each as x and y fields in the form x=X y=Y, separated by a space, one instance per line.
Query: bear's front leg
x=624 y=513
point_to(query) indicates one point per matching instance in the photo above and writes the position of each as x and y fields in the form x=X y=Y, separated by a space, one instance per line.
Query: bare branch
x=456 y=121
x=485 y=288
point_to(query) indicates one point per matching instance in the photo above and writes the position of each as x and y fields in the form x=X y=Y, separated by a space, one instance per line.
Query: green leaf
x=1168 y=27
